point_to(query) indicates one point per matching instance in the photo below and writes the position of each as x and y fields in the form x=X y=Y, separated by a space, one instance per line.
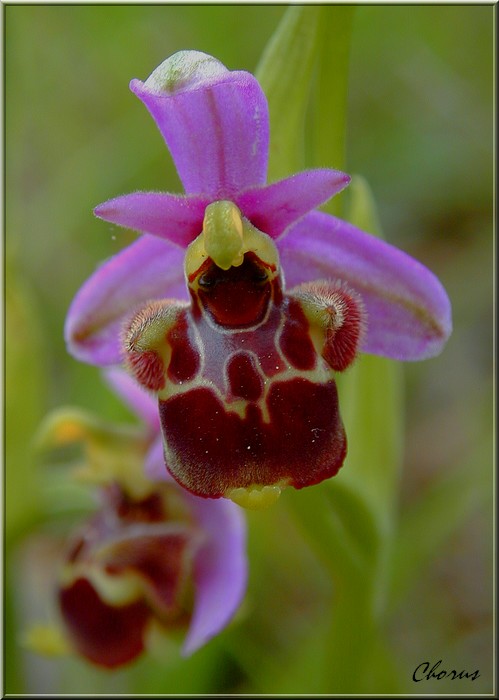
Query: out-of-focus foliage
x=419 y=129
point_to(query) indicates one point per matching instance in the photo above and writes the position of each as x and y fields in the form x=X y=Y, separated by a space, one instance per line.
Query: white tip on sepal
x=184 y=70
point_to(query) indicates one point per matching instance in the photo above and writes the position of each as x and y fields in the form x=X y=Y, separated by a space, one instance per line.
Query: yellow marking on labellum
x=320 y=375
x=113 y=590
x=254 y=497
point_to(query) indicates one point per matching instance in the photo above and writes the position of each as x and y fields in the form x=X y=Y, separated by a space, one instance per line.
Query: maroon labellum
x=245 y=373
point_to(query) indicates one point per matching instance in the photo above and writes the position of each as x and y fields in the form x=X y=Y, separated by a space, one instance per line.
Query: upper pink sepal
x=214 y=121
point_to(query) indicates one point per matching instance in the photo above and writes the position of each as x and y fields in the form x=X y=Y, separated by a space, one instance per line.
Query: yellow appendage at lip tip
x=254 y=497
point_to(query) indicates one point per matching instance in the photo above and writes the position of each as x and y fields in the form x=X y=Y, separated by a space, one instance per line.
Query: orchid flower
x=153 y=560
x=240 y=301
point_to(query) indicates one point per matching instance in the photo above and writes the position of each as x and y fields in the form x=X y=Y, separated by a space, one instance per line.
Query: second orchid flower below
x=151 y=560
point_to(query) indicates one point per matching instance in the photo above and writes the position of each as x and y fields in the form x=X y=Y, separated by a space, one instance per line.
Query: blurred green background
x=420 y=129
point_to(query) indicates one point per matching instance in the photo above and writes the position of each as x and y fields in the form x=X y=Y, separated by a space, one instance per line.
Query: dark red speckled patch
x=212 y=451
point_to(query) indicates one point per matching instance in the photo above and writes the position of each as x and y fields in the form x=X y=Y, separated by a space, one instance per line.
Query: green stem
x=352 y=635
x=285 y=74
x=331 y=92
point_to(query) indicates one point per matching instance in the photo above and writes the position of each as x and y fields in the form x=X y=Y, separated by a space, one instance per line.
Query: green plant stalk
x=330 y=94
x=285 y=73
x=351 y=637
x=371 y=403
